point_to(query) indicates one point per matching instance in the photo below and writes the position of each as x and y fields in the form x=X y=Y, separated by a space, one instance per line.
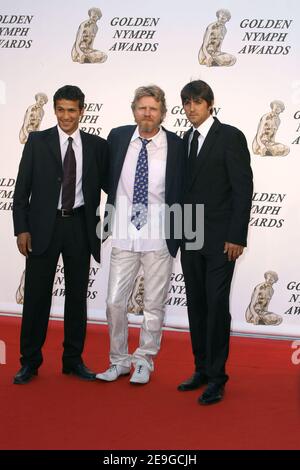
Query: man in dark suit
x=146 y=179
x=56 y=197
x=218 y=176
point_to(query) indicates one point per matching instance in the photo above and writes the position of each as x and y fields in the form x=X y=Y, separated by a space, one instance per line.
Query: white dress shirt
x=77 y=147
x=150 y=237
x=203 y=129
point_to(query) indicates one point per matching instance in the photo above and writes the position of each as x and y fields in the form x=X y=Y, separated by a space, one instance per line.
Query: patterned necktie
x=193 y=151
x=140 y=189
x=69 y=178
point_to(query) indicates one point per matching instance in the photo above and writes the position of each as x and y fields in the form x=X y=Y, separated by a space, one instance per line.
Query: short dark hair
x=69 y=92
x=195 y=90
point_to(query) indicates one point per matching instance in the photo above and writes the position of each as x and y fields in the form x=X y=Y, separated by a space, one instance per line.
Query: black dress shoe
x=193 y=382
x=213 y=394
x=24 y=375
x=80 y=370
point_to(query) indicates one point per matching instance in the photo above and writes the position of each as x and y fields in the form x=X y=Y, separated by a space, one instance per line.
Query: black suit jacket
x=39 y=182
x=118 y=142
x=222 y=181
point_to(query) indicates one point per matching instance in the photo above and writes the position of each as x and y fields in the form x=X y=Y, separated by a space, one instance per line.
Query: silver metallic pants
x=124 y=266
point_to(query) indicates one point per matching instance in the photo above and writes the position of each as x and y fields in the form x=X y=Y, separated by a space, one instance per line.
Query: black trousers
x=69 y=239
x=208 y=279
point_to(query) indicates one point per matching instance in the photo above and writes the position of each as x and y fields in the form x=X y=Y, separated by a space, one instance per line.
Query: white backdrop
x=158 y=42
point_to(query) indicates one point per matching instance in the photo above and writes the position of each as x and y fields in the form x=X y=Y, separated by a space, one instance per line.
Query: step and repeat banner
x=248 y=52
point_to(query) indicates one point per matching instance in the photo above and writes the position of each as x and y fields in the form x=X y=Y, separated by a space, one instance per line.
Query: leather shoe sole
x=211 y=401
x=81 y=374
x=192 y=384
x=211 y=397
x=24 y=379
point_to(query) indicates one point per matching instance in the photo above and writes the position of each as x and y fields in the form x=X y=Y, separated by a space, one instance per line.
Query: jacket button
x=59 y=179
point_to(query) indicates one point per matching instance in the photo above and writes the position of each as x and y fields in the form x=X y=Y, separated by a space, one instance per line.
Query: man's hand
x=24 y=243
x=233 y=250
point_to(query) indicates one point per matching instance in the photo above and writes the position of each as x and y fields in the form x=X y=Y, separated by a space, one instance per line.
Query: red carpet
x=261 y=408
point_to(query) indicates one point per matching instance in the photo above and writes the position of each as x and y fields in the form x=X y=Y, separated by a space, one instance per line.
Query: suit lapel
x=86 y=154
x=121 y=154
x=205 y=149
x=54 y=145
x=169 y=164
x=186 y=139
x=171 y=161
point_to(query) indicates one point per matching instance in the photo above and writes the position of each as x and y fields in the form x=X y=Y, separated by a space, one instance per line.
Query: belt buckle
x=64 y=213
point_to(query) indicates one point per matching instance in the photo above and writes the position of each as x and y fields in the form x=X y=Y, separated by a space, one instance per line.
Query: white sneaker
x=114 y=371
x=141 y=374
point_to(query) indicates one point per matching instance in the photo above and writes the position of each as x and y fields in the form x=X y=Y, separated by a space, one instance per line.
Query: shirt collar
x=155 y=139
x=205 y=126
x=63 y=137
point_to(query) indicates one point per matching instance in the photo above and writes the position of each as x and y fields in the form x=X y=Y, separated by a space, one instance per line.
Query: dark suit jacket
x=118 y=142
x=222 y=182
x=39 y=182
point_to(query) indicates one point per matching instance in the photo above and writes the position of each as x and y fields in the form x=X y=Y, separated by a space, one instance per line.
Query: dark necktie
x=193 y=151
x=140 y=188
x=69 y=178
